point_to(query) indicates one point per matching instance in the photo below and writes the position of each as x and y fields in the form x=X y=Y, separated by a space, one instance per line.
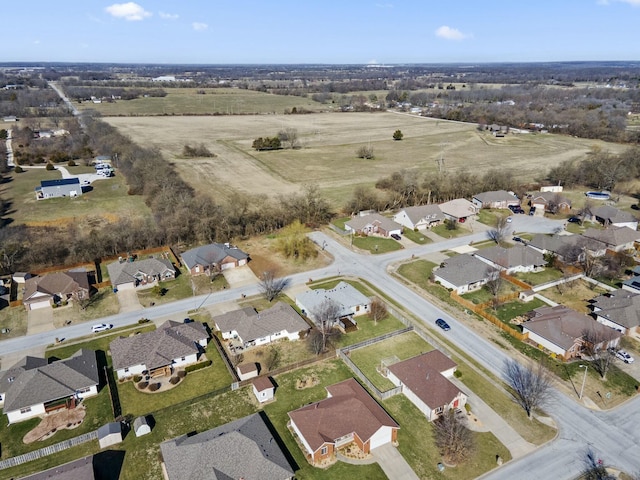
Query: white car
x=509 y=219
x=101 y=327
x=624 y=356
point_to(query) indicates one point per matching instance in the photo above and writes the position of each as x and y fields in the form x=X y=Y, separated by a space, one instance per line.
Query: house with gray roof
x=55 y=288
x=213 y=257
x=81 y=469
x=496 y=199
x=519 y=258
x=619 y=309
x=350 y=301
x=127 y=275
x=459 y=209
x=462 y=273
x=420 y=217
x=173 y=345
x=551 y=202
x=245 y=448
x=561 y=330
x=251 y=328
x=613 y=238
x=373 y=224
x=608 y=215
x=32 y=387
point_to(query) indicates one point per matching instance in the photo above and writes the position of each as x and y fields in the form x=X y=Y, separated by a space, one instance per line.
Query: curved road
x=613 y=435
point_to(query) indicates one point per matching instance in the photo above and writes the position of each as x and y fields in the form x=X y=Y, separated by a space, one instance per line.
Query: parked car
x=573 y=220
x=443 y=325
x=395 y=236
x=624 y=356
x=101 y=327
x=509 y=219
x=517 y=239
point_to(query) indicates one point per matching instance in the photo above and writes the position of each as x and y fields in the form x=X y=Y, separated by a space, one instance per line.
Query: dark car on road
x=395 y=236
x=573 y=220
x=443 y=325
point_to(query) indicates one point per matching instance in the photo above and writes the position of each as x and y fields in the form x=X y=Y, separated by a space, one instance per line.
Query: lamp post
x=584 y=379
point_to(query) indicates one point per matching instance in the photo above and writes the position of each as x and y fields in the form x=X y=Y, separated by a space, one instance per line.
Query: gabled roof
x=495 y=196
x=459 y=208
x=563 y=326
x=462 y=270
x=418 y=213
x=613 y=215
x=262 y=383
x=33 y=381
x=58 y=283
x=349 y=409
x=244 y=448
x=251 y=325
x=211 y=254
x=125 y=272
x=613 y=236
x=518 y=255
x=158 y=348
x=81 y=469
x=345 y=295
x=546 y=197
x=60 y=181
x=423 y=376
x=358 y=223
x=620 y=306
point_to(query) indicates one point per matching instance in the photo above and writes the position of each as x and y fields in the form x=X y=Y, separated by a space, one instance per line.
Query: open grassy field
x=105 y=202
x=187 y=101
x=329 y=141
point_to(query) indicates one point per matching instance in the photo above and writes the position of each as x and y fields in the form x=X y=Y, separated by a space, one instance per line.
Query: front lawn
x=376 y=244
x=418 y=272
x=14 y=319
x=169 y=291
x=339 y=222
x=416 y=237
x=444 y=232
x=103 y=304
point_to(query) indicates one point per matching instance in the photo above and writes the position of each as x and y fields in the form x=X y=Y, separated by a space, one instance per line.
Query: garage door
x=37 y=305
x=381 y=437
x=226 y=266
x=126 y=286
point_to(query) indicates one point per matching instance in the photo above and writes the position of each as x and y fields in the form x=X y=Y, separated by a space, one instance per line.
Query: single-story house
x=419 y=217
x=21 y=277
x=247 y=370
x=633 y=284
x=263 y=389
x=348 y=414
x=496 y=199
x=424 y=381
x=127 y=275
x=141 y=426
x=351 y=303
x=613 y=238
x=462 y=273
x=62 y=187
x=251 y=328
x=619 y=309
x=561 y=330
x=607 y=215
x=551 y=202
x=172 y=345
x=519 y=258
x=373 y=224
x=110 y=434
x=244 y=448
x=213 y=257
x=10 y=118
x=81 y=469
x=44 y=291
x=33 y=387
x=459 y=209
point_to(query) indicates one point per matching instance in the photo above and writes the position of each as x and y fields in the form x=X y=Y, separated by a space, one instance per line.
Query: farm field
x=328 y=145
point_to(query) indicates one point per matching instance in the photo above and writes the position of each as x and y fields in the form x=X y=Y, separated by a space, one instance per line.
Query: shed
x=141 y=426
x=110 y=434
x=263 y=389
x=247 y=370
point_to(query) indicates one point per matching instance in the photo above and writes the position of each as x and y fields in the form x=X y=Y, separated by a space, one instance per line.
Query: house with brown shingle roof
x=32 y=387
x=561 y=330
x=425 y=382
x=373 y=224
x=172 y=345
x=348 y=415
x=44 y=291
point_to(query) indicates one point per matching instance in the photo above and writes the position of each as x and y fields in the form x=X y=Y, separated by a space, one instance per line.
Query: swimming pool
x=599 y=195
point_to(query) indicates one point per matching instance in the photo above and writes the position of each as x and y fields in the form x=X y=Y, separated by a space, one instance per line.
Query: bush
x=71 y=163
x=144 y=320
x=50 y=166
x=174 y=380
x=197 y=366
x=137 y=378
x=457 y=374
x=143 y=385
x=181 y=374
x=154 y=387
x=18 y=169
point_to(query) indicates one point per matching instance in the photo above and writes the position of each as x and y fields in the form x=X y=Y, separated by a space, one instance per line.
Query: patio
x=66 y=418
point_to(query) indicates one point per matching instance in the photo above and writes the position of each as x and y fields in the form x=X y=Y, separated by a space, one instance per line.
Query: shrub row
x=197 y=366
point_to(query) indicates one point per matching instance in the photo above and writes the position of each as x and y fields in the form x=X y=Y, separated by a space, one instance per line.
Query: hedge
x=197 y=366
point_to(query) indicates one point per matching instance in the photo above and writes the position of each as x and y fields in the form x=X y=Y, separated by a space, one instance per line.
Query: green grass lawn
x=483 y=295
x=510 y=310
x=176 y=289
x=418 y=272
x=104 y=303
x=489 y=216
x=416 y=237
x=367 y=329
x=193 y=385
x=376 y=244
x=549 y=274
x=444 y=232
x=403 y=346
x=339 y=222
x=15 y=319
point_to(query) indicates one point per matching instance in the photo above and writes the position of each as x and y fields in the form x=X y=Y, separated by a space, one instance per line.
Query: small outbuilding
x=247 y=370
x=110 y=434
x=141 y=426
x=263 y=389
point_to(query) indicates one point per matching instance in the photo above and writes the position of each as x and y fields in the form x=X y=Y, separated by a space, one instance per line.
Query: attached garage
x=383 y=436
x=38 y=305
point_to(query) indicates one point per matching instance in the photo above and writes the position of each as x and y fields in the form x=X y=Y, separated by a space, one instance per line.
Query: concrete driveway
x=240 y=277
x=128 y=300
x=39 y=320
x=392 y=463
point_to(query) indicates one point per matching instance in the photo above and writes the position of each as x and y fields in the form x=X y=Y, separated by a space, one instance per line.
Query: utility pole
x=584 y=379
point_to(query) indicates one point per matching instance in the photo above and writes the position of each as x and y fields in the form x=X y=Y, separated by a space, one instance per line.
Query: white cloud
x=199 y=27
x=633 y=3
x=449 y=33
x=168 y=16
x=129 y=11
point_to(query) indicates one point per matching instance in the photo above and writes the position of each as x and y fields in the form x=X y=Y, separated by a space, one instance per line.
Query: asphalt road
x=614 y=435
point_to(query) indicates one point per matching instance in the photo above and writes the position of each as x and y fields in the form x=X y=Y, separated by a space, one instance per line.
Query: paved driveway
x=128 y=300
x=392 y=463
x=240 y=277
x=39 y=320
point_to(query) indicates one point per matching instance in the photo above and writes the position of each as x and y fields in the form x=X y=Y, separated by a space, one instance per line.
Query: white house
x=518 y=258
x=350 y=301
x=263 y=389
x=420 y=217
x=619 y=310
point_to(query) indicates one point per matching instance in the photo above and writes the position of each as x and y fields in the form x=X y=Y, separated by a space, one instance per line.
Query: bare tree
x=531 y=384
x=377 y=310
x=499 y=233
x=595 y=345
x=494 y=284
x=453 y=439
x=594 y=467
x=273 y=358
x=270 y=286
x=289 y=137
x=325 y=317
x=365 y=151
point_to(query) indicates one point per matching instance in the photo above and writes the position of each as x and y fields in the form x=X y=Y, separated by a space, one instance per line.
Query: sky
x=314 y=31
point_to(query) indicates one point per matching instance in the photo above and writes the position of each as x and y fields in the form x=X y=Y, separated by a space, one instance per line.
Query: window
x=126 y=370
x=439 y=410
x=25 y=410
x=84 y=390
x=183 y=359
x=324 y=450
x=197 y=268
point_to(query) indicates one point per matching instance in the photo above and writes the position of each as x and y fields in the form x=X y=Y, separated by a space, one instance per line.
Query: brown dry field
x=329 y=142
